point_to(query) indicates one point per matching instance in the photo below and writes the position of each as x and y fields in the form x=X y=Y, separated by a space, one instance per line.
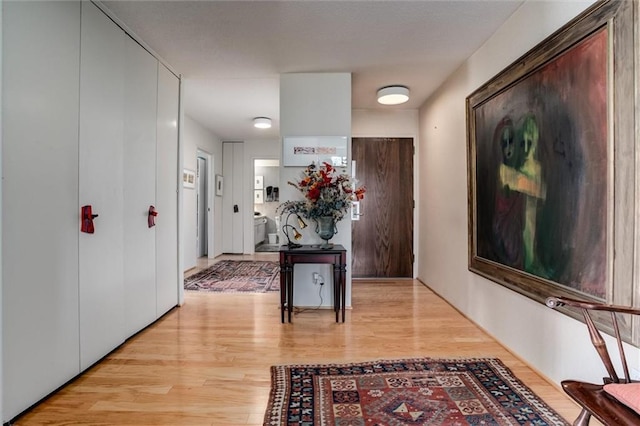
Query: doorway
x=266 y=198
x=202 y=204
x=382 y=237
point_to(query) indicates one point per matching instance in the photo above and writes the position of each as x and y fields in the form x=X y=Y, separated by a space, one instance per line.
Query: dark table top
x=312 y=248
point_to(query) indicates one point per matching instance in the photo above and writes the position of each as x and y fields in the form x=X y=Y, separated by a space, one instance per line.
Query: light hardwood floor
x=207 y=362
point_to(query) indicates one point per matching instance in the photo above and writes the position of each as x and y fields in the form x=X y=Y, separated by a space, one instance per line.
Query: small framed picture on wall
x=219 y=185
x=258 y=197
x=189 y=178
x=259 y=182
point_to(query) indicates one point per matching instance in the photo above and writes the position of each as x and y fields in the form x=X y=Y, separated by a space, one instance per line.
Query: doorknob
x=86 y=219
x=151 y=217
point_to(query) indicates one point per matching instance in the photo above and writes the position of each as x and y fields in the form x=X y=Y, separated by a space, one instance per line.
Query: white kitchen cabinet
x=259 y=229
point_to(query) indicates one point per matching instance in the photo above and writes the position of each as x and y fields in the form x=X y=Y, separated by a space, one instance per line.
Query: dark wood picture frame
x=561 y=218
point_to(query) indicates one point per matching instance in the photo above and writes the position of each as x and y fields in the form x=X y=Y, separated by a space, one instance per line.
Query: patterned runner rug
x=236 y=276
x=426 y=391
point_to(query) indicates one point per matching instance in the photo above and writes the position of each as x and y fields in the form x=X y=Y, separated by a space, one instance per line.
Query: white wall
x=197 y=137
x=400 y=123
x=552 y=343
x=315 y=104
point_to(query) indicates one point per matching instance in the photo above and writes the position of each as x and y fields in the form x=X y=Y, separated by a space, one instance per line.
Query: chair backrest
x=596 y=338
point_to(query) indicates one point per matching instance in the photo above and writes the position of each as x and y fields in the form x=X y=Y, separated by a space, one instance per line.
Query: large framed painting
x=551 y=168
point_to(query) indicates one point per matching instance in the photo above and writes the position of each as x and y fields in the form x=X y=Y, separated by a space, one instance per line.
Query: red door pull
x=87 y=217
x=151 y=219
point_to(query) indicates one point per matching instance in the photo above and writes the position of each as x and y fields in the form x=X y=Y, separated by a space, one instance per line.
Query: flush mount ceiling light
x=393 y=95
x=262 y=123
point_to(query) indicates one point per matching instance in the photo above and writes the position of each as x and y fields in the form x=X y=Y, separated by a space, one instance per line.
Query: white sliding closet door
x=168 y=278
x=101 y=184
x=41 y=53
x=141 y=84
x=89 y=118
x=232 y=200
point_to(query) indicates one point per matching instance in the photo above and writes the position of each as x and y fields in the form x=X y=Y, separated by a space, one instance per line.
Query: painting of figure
x=541 y=171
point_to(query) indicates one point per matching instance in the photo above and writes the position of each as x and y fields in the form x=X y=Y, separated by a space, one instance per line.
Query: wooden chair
x=592 y=397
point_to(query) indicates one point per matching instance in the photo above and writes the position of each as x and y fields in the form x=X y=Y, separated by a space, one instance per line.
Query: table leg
x=337 y=282
x=283 y=290
x=343 y=285
x=290 y=291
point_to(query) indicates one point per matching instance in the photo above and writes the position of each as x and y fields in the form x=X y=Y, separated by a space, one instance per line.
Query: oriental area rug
x=425 y=391
x=236 y=276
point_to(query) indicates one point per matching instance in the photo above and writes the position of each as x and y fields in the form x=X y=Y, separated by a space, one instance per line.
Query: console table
x=337 y=255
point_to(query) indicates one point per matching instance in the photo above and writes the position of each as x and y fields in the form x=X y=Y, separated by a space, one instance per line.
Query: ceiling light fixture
x=393 y=95
x=262 y=123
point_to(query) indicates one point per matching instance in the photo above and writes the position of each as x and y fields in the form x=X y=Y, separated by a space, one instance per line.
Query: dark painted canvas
x=542 y=171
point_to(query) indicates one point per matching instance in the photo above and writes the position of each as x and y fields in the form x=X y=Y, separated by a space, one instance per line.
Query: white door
x=202 y=189
x=40 y=342
x=101 y=182
x=141 y=83
x=232 y=200
x=168 y=279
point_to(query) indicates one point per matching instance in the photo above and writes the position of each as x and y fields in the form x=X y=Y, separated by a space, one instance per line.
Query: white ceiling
x=231 y=53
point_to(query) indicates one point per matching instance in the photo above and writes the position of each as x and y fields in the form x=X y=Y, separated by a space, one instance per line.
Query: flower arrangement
x=326 y=193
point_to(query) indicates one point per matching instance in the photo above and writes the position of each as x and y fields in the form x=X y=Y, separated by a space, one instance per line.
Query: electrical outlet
x=318 y=279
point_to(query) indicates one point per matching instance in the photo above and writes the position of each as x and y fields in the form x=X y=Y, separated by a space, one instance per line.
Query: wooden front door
x=382 y=240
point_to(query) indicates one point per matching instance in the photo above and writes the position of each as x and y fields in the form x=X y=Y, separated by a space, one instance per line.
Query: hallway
x=207 y=363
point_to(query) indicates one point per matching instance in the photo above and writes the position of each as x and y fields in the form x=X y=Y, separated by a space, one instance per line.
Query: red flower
x=325 y=176
x=324 y=193
x=314 y=193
